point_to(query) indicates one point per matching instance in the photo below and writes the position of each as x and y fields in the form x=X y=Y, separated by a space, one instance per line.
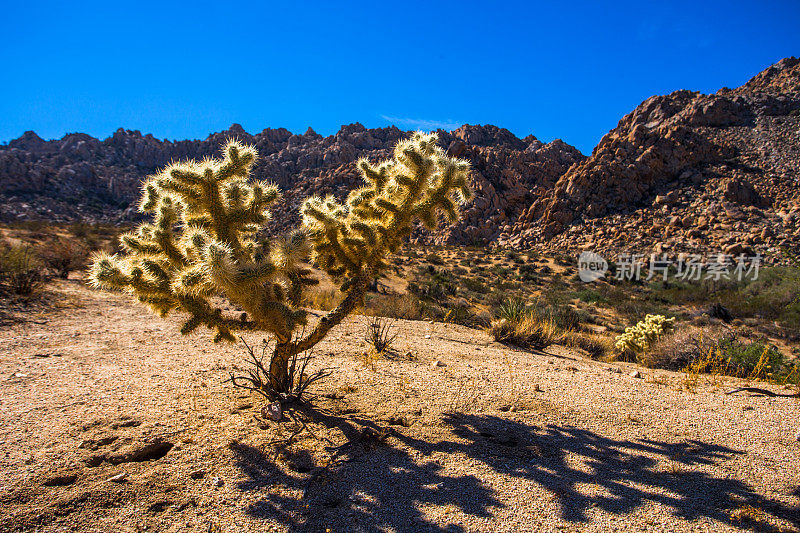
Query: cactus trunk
x=279 y=375
x=279 y=378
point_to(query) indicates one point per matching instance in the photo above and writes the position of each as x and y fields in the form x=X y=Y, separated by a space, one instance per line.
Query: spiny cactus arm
x=429 y=182
x=163 y=234
x=203 y=243
x=350 y=244
x=203 y=313
x=259 y=287
x=298 y=281
x=146 y=279
x=418 y=183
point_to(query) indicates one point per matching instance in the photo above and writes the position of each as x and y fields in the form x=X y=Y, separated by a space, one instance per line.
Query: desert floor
x=111 y=421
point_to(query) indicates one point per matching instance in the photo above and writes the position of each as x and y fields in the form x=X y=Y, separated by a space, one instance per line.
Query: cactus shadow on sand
x=380 y=487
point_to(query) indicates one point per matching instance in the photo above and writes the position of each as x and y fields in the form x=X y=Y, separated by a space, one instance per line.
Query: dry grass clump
x=525 y=326
x=682 y=347
x=63 y=255
x=405 y=306
x=529 y=331
x=21 y=271
x=597 y=346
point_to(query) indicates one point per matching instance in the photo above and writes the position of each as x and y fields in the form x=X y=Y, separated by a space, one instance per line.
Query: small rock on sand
x=61 y=479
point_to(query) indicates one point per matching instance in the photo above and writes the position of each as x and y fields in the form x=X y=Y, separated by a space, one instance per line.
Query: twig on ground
x=763 y=392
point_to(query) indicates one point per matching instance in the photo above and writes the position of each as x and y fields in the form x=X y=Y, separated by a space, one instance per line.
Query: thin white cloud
x=422 y=124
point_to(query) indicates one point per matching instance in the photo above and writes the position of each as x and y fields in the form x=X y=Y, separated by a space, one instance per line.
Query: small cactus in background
x=636 y=339
x=204 y=242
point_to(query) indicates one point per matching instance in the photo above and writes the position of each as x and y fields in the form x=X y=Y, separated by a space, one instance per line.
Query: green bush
x=475 y=285
x=744 y=357
x=590 y=296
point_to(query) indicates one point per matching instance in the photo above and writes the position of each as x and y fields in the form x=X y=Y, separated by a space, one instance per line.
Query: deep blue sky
x=184 y=69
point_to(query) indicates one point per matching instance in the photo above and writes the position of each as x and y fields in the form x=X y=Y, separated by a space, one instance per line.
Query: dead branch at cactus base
x=294 y=390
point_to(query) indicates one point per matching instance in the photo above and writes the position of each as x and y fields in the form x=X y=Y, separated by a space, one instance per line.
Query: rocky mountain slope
x=79 y=177
x=692 y=171
x=682 y=172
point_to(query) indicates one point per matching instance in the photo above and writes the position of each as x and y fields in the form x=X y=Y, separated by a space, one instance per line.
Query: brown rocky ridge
x=684 y=172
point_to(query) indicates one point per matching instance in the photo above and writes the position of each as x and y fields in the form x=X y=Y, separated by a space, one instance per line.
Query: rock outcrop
x=684 y=172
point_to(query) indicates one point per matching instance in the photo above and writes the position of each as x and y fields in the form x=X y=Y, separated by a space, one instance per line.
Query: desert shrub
x=460 y=312
x=590 y=296
x=434 y=259
x=515 y=309
x=21 y=272
x=681 y=347
x=380 y=334
x=597 y=346
x=640 y=337
x=750 y=358
x=405 y=306
x=475 y=285
x=512 y=310
x=773 y=295
x=501 y=271
x=538 y=326
x=528 y=273
x=433 y=285
x=565 y=317
x=719 y=350
x=563 y=260
x=63 y=255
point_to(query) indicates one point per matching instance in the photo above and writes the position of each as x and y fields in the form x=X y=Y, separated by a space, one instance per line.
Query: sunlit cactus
x=204 y=247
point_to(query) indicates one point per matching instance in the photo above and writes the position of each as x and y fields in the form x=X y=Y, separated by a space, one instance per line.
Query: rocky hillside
x=79 y=177
x=682 y=172
x=689 y=171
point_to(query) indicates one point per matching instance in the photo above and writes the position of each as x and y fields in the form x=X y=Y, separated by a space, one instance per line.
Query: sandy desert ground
x=112 y=422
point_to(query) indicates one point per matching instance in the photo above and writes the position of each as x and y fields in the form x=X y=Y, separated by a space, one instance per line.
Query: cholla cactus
x=640 y=337
x=204 y=242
